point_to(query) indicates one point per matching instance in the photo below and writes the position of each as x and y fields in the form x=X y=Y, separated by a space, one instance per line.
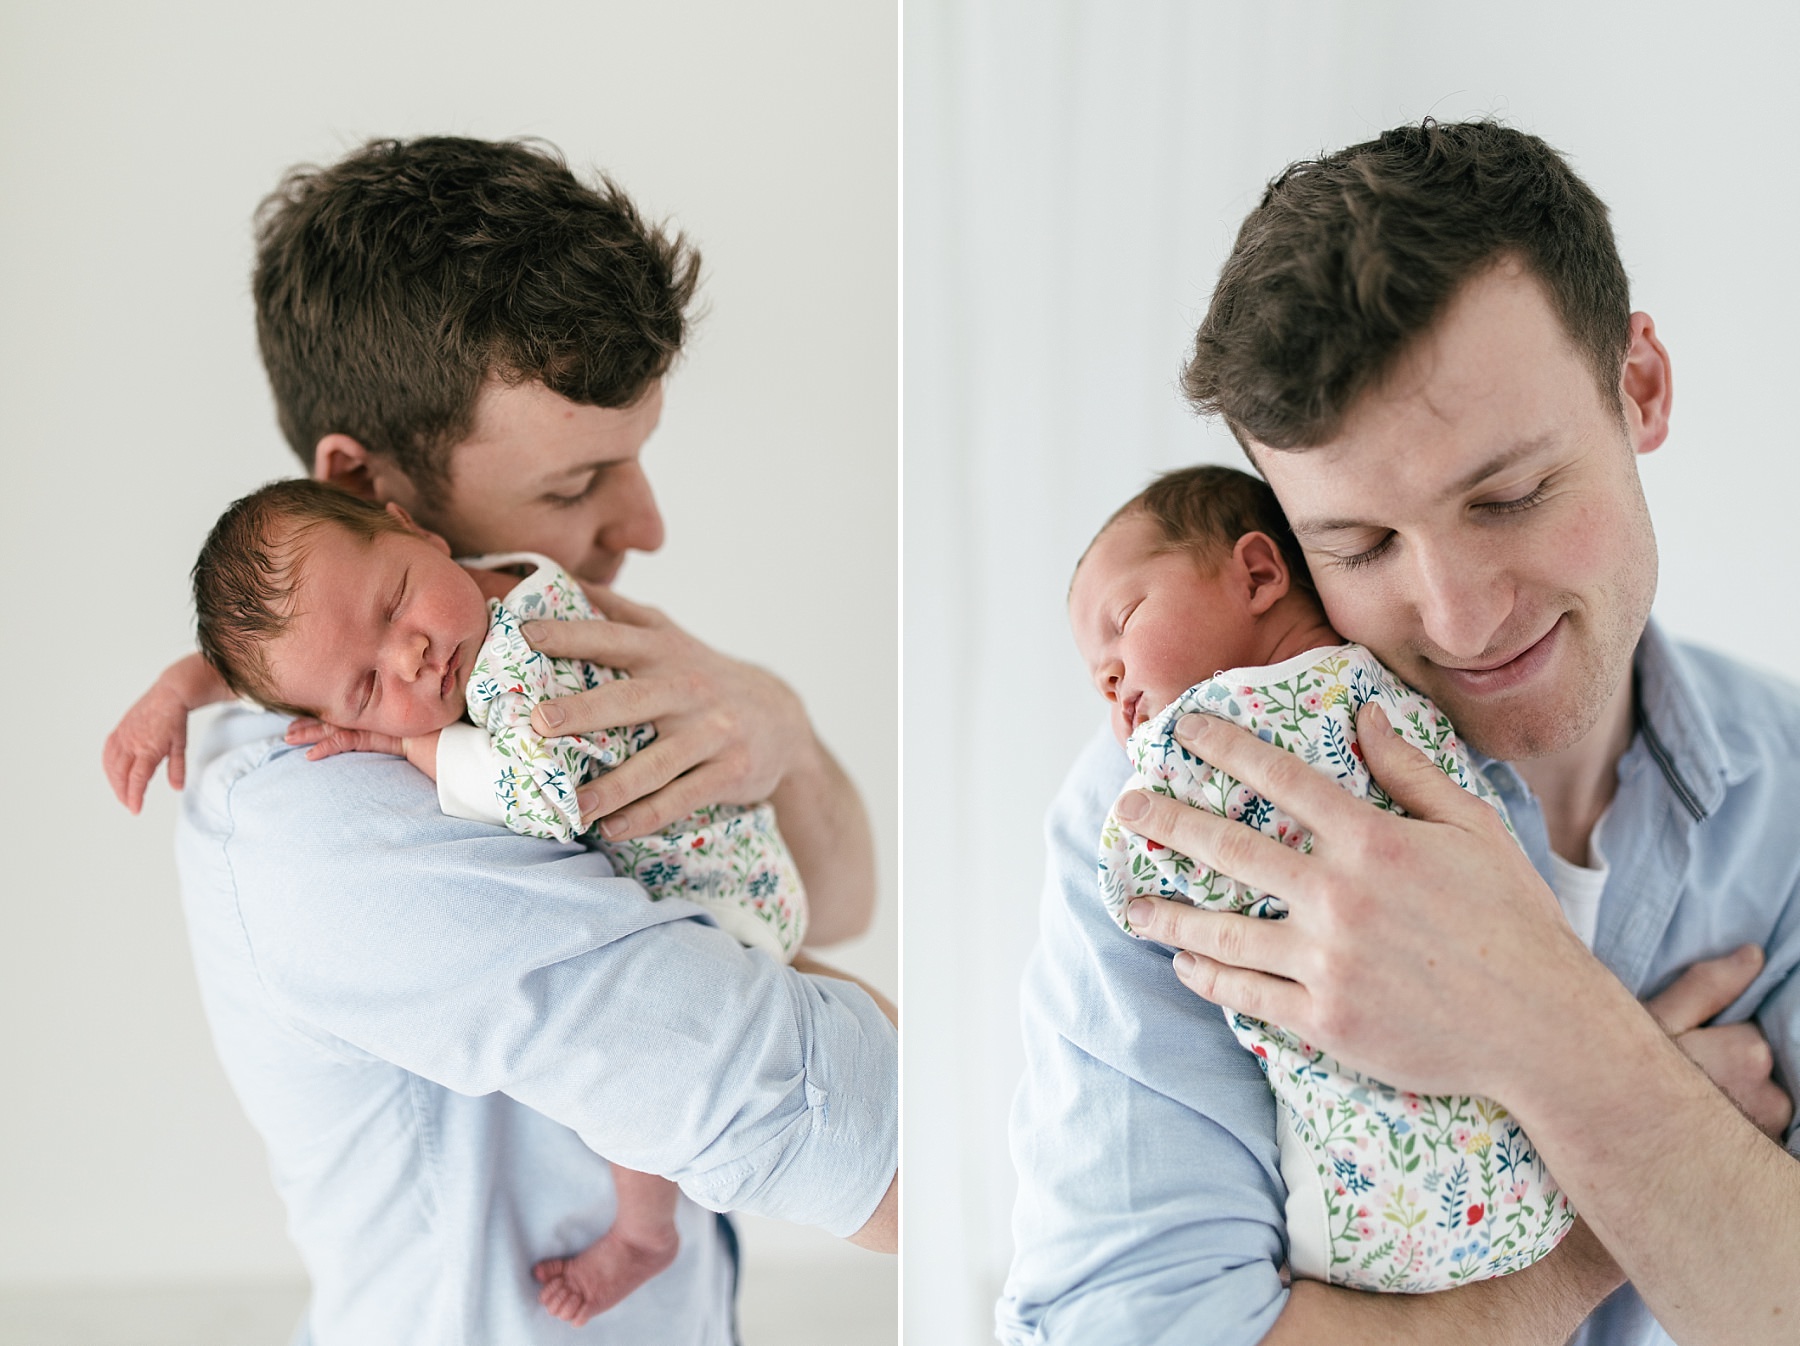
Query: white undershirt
x=1578 y=887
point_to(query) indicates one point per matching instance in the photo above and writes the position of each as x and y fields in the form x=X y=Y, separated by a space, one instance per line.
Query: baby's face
x=382 y=634
x=1150 y=623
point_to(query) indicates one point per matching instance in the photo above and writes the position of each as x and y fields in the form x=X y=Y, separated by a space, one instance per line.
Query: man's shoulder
x=1754 y=709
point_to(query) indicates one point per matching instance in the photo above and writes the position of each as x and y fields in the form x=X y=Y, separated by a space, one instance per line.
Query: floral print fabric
x=1386 y=1190
x=728 y=859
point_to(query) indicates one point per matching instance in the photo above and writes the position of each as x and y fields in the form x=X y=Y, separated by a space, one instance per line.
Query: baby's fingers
x=306 y=730
x=177 y=769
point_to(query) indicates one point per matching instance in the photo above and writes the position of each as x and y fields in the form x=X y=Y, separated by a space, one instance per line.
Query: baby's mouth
x=1132 y=703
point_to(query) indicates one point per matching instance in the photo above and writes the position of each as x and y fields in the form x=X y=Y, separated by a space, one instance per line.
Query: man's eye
x=1363 y=558
x=564 y=501
x=1523 y=502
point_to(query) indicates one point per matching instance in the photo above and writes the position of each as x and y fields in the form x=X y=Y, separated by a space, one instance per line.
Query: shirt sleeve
x=1150 y=1204
x=487 y=961
x=467 y=767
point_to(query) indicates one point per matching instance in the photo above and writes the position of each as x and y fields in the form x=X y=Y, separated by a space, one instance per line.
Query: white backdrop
x=135 y=141
x=1074 y=176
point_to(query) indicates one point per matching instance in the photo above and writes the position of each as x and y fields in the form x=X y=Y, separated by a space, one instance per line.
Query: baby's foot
x=591 y=1282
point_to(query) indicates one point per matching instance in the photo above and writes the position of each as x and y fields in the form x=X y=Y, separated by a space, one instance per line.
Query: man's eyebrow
x=1469 y=481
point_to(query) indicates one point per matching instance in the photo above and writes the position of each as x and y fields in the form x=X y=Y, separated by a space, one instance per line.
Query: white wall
x=1075 y=174
x=135 y=140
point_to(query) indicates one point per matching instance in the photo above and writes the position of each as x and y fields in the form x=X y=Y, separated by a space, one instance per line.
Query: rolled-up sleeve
x=1150 y=1202
x=486 y=961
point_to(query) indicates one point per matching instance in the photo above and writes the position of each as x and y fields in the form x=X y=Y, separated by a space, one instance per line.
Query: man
x=1425 y=345
x=438 y=1027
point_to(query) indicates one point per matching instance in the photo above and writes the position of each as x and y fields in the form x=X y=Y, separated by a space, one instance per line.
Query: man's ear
x=340 y=461
x=1646 y=386
x=1258 y=559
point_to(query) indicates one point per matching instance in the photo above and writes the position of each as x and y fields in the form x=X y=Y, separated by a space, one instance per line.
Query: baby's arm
x=328 y=740
x=155 y=728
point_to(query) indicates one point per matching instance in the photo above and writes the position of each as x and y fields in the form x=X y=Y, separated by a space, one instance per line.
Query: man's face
x=1479 y=524
x=541 y=473
x=1150 y=622
x=382 y=633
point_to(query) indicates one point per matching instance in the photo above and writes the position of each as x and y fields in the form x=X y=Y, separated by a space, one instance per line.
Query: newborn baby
x=1385 y=1190
x=351 y=617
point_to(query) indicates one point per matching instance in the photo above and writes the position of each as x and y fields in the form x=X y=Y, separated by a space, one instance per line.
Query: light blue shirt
x=1151 y=1205
x=438 y=1027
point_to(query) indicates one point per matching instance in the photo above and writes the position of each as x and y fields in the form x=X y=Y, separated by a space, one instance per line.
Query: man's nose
x=1463 y=598
x=636 y=524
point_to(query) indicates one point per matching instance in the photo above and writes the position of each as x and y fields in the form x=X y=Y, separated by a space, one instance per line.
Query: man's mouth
x=1509 y=670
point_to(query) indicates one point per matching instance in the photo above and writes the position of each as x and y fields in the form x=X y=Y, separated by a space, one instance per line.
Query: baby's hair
x=244 y=579
x=1205 y=510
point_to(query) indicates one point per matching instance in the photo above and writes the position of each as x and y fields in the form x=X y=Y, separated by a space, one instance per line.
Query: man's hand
x=726 y=732
x=1735 y=1057
x=1396 y=924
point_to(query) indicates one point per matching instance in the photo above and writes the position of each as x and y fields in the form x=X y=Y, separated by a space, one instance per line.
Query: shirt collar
x=1677 y=728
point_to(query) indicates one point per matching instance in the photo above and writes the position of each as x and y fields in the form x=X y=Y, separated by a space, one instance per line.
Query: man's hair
x=393 y=284
x=1351 y=257
x=1205 y=510
x=244 y=579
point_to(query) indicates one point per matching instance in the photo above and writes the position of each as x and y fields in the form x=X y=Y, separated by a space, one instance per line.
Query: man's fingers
x=1223 y=937
x=1241 y=852
x=1274 y=774
x=1737 y=1059
x=615 y=644
x=1705 y=989
x=616 y=608
x=637 y=777
x=1411 y=779
x=670 y=804
x=619 y=702
x=1262 y=997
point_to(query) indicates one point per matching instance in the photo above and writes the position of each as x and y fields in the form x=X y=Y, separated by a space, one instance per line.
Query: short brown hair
x=244 y=579
x=393 y=284
x=1205 y=510
x=1350 y=257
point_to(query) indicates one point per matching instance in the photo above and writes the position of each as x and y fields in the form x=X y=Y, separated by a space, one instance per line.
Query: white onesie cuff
x=467 y=767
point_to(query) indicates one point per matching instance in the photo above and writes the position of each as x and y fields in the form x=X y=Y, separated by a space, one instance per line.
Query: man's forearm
x=1539 y=1306
x=1700 y=1209
x=826 y=827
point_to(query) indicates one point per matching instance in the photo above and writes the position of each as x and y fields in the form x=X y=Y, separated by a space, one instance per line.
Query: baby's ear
x=1258 y=558
x=411 y=525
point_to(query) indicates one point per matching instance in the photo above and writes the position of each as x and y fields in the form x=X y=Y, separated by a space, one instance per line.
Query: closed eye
x=565 y=501
x=1125 y=616
x=1363 y=558
x=1533 y=497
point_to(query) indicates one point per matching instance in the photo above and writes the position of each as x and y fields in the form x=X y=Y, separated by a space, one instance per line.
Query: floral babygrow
x=728 y=860
x=1386 y=1190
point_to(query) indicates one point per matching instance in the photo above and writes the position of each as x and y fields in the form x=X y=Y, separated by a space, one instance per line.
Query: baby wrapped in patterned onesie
x=333 y=609
x=1385 y=1190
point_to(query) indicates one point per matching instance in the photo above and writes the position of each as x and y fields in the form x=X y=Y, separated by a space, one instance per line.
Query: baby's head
x=314 y=602
x=1197 y=574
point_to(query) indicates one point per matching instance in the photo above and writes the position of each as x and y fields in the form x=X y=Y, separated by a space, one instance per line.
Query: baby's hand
x=154 y=729
x=328 y=739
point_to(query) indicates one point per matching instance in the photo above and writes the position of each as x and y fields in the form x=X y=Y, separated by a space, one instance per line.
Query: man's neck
x=1574 y=786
